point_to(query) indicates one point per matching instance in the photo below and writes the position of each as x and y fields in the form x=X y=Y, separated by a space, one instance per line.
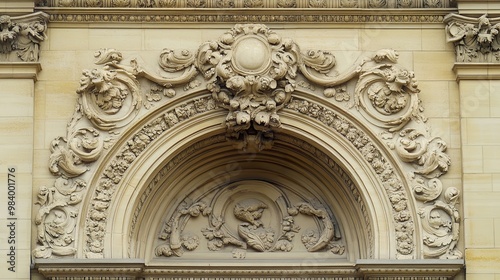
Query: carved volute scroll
x=20 y=37
x=255 y=77
x=475 y=39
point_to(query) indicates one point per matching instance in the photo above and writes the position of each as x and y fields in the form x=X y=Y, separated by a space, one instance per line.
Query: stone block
x=482 y=261
x=479 y=233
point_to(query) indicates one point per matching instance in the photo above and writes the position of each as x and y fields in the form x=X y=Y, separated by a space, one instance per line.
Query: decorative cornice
x=477 y=71
x=250 y=4
x=19 y=70
x=240 y=15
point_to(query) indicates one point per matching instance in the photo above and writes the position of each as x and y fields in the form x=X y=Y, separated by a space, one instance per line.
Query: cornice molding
x=477 y=71
x=19 y=70
x=250 y=4
x=240 y=15
x=362 y=269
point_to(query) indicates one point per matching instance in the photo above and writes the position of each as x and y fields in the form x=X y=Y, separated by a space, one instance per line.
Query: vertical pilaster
x=21 y=36
x=477 y=68
x=16 y=170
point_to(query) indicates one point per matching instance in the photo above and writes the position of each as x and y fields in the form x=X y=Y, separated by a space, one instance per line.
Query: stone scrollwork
x=57 y=217
x=247 y=227
x=108 y=96
x=20 y=37
x=440 y=222
x=253 y=74
x=475 y=39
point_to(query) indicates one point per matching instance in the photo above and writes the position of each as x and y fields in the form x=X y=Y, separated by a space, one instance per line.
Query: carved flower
x=283 y=245
x=317 y=3
x=309 y=238
x=190 y=242
x=163 y=250
x=253 y=3
x=287 y=3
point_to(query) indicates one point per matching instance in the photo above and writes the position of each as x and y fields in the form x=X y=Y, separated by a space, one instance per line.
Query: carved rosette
x=475 y=39
x=252 y=73
x=20 y=37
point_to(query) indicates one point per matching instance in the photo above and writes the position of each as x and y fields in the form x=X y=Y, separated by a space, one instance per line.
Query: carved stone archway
x=364 y=170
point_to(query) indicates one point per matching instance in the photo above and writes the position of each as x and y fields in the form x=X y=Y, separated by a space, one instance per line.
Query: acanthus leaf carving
x=104 y=92
x=441 y=223
x=57 y=217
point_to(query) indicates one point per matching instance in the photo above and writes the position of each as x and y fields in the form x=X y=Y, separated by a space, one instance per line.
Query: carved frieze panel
x=253 y=75
x=475 y=39
x=20 y=37
x=229 y=4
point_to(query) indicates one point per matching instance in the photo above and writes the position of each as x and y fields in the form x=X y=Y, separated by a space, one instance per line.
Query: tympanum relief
x=250 y=217
x=253 y=75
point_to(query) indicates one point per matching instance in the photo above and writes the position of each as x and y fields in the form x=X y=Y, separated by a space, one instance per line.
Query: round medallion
x=251 y=55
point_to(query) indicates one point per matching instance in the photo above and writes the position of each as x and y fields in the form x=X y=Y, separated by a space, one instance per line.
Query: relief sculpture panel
x=250 y=217
x=255 y=77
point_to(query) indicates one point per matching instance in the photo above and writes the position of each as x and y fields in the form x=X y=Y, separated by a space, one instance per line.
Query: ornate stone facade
x=250 y=139
x=254 y=75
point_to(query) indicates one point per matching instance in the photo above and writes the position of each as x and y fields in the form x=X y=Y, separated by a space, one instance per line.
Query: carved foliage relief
x=20 y=37
x=253 y=74
x=250 y=217
x=475 y=39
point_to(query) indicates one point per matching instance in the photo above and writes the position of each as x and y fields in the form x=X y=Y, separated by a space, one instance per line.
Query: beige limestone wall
x=16 y=157
x=480 y=118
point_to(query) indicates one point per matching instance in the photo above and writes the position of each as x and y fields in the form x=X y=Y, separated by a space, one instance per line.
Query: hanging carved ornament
x=253 y=74
x=20 y=37
x=475 y=39
x=249 y=219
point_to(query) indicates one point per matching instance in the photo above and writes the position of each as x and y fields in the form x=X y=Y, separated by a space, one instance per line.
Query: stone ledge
x=362 y=269
x=477 y=71
x=19 y=70
x=75 y=16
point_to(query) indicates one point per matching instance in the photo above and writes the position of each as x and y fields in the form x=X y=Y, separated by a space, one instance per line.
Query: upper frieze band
x=313 y=4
